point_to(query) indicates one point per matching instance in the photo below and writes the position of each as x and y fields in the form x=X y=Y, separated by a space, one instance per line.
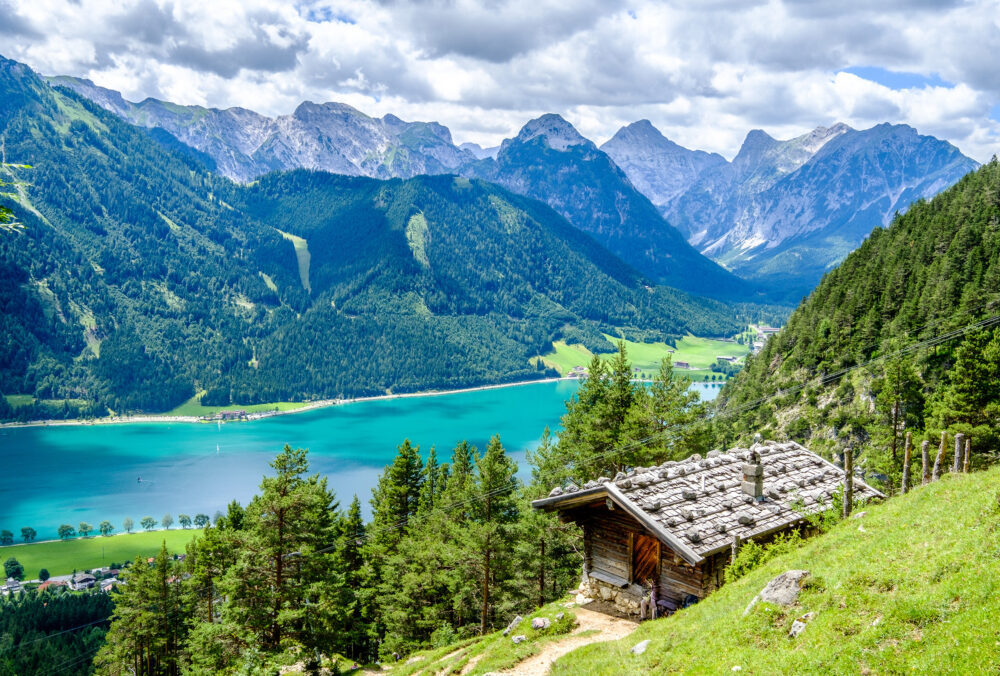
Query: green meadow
x=194 y=407
x=700 y=353
x=65 y=556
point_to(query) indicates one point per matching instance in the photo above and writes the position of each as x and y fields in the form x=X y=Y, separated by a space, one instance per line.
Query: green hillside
x=912 y=586
x=889 y=329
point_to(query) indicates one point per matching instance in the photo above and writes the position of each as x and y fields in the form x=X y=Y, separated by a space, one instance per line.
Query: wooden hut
x=675 y=525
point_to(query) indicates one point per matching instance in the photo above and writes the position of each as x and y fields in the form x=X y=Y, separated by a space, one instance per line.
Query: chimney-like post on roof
x=753 y=477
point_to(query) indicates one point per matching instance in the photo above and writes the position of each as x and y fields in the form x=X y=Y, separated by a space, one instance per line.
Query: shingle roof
x=696 y=506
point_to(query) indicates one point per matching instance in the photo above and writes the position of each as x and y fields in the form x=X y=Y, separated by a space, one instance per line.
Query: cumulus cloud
x=704 y=73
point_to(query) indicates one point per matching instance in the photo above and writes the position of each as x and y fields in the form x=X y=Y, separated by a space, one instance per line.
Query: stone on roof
x=700 y=502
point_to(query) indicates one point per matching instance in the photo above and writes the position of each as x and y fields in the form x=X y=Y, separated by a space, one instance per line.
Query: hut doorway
x=645 y=558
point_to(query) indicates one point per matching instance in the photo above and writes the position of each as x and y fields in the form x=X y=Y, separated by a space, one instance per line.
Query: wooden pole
x=848 y=481
x=737 y=543
x=907 y=452
x=940 y=457
x=541 y=574
x=956 y=466
x=925 y=458
x=968 y=455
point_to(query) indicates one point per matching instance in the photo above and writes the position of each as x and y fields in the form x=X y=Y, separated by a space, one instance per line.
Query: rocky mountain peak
x=556 y=131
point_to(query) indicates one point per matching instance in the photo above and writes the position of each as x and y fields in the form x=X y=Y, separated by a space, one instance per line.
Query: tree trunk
x=486 y=593
x=925 y=459
x=848 y=481
x=908 y=450
x=940 y=458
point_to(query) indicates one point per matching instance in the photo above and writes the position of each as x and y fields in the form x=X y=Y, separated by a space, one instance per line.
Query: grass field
x=193 y=407
x=910 y=587
x=699 y=352
x=16 y=400
x=62 y=558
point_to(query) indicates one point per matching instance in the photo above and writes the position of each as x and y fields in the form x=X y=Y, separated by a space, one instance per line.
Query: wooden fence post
x=968 y=455
x=737 y=543
x=907 y=451
x=926 y=459
x=940 y=458
x=956 y=466
x=848 y=481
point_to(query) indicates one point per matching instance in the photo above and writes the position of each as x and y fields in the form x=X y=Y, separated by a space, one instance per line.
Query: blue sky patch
x=995 y=112
x=894 y=79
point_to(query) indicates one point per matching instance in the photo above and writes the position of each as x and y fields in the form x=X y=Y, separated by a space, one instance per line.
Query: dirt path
x=609 y=628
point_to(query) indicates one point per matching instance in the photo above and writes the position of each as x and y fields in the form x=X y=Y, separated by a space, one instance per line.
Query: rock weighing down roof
x=697 y=506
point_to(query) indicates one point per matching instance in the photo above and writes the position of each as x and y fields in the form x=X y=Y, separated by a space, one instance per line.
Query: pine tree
x=491 y=529
x=148 y=629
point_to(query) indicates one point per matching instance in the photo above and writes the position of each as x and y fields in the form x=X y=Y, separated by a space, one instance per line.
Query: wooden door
x=645 y=558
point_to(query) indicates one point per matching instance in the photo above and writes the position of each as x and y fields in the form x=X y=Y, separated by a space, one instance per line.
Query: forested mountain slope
x=550 y=161
x=142 y=277
x=934 y=270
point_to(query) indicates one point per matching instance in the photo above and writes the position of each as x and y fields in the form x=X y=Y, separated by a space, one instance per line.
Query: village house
x=731 y=360
x=673 y=528
x=682 y=364
x=82 y=581
x=51 y=583
x=12 y=587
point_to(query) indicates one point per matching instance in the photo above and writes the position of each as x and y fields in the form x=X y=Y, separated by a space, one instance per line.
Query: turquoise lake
x=69 y=474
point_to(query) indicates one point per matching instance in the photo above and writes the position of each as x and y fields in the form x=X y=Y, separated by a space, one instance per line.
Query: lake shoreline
x=251 y=417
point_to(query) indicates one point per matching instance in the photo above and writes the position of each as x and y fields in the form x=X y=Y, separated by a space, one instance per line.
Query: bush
x=753 y=555
x=43 y=574
x=443 y=635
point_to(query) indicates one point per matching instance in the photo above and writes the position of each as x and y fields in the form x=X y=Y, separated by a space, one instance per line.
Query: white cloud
x=705 y=72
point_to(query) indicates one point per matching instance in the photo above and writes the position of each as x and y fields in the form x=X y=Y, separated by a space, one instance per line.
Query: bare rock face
x=783 y=590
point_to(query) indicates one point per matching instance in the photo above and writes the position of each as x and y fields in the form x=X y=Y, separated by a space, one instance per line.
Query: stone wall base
x=625 y=600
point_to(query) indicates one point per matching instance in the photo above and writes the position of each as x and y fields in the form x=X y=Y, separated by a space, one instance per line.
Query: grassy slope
x=303 y=257
x=61 y=558
x=491 y=653
x=913 y=586
x=699 y=352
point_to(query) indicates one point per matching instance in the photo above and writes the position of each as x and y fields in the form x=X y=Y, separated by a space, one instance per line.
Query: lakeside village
x=103 y=579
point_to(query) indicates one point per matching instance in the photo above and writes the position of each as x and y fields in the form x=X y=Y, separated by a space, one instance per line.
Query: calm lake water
x=56 y=475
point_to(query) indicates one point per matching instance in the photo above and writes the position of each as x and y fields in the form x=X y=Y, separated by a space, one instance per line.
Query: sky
x=704 y=72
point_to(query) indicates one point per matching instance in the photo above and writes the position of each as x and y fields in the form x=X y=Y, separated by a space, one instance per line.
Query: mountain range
x=779 y=215
x=783 y=213
x=142 y=277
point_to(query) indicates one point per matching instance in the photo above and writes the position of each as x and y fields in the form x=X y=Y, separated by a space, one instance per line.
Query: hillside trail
x=608 y=628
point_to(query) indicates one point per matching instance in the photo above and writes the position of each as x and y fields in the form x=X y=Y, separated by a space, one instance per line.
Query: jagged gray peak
x=657 y=166
x=557 y=133
x=333 y=137
x=786 y=211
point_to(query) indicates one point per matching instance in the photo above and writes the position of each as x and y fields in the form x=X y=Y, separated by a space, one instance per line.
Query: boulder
x=640 y=647
x=582 y=600
x=783 y=590
x=559 y=616
x=540 y=623
x=513 y=623
x=519 y=639
x=799 y=625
